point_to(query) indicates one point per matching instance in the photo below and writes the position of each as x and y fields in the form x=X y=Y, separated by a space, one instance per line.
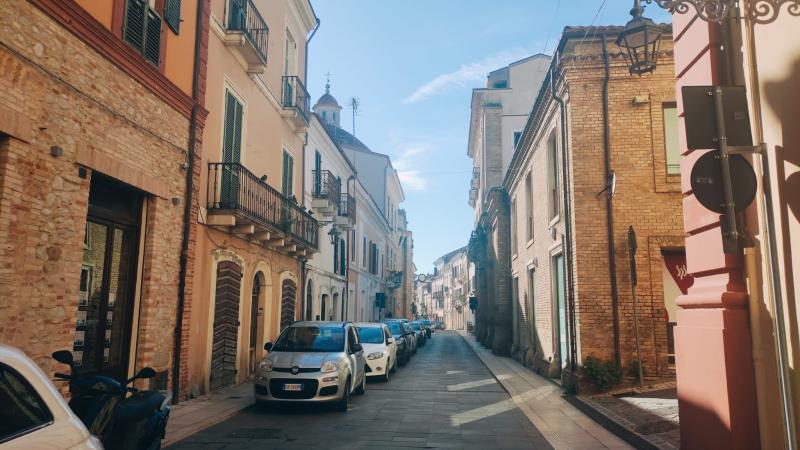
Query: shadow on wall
x=783 y=97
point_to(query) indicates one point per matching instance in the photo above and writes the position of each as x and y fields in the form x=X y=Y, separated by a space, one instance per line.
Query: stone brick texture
x=78 y=100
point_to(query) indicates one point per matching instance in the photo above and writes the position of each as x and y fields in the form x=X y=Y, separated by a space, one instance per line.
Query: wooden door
x=226 y=325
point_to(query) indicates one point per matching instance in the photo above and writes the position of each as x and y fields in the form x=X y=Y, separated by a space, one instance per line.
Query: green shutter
x=172 y=14
x=285 y=171
x=336 y=256
x=152 y=42
x=232 y=133
x=135 y=19
x=288 y=174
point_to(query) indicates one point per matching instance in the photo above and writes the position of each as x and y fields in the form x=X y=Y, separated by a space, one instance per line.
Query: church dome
x=327 y=99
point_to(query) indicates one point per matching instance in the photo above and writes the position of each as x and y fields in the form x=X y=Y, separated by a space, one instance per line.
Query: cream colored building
x=451 y=287
x=253 y=233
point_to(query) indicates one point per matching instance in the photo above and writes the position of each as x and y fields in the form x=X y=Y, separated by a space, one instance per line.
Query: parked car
x=380 y=348
x=428 y=327
x=420 y=332
x=411 y=335
x=313 y=362
x=402 y=341
x=34 y=415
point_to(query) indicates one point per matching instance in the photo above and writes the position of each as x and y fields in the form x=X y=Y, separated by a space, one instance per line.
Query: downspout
x=187 y=208
x=612 y=258
x=567 y=219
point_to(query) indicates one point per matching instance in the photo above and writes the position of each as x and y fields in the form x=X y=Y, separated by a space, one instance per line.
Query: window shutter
x=290 y=176
x=238 y=114
x=336 y=256
x=285 y=172
x=135 y=17
x=342 y=257
x=152 y=43
x=232 y=134
x=172 y=14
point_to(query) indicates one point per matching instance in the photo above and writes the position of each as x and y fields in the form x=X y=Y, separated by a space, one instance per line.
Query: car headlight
x=329 y=366
x=265 y=365
x=376 y=355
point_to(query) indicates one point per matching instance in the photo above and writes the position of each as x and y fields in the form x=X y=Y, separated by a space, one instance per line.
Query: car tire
x=394 y=366
x=362 y=389
x=385 y=377
x=344 y=402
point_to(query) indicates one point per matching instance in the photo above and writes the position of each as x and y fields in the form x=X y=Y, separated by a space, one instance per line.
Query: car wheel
x=394 y=366
x=362 y=389
x=344 y=403
x=385 y=377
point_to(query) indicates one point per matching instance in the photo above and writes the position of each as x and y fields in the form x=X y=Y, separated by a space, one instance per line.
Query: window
x=290 y=57
x=517 y=136
x=325 y=116
x=364 y=251
x=288 y=175
x=23 y=410
x=529 y=207
x=353 y=249
x=552 y=175
x=342 y=257
x=232 y=130
x=142 y=30
x=336 y=255
x=514 y=226
x=172 y=14
x=670 y=112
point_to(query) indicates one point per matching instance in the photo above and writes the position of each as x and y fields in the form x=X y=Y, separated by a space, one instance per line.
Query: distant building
x=451 y=289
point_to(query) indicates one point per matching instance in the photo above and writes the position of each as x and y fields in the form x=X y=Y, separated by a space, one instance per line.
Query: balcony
x=346 y=216
x=247 y=32
x=295 y=101
x=326 y=192
x=242 y=204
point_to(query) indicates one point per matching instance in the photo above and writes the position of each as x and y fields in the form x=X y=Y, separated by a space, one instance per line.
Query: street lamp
x=334 y=234
x=640 y=38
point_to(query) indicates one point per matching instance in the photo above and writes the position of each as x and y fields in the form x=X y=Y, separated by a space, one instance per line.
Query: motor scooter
x=121 y=421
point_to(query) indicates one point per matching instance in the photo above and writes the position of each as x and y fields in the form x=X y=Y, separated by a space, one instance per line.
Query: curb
x=178 y=436
x=610 y=424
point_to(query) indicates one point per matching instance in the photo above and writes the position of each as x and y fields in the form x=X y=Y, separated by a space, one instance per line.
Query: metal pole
x=779 y=322
x=730 y=211
x=636 y=328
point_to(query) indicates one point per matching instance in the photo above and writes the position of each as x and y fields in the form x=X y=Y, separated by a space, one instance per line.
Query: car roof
x=369 y=325
x=319 y=323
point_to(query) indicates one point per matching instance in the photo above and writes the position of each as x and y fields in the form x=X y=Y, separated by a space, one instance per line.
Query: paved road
x=444 y=398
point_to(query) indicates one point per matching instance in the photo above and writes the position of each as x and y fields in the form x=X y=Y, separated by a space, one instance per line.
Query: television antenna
x=355 y=104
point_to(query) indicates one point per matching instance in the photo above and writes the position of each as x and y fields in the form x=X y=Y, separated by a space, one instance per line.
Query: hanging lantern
x=640 y=38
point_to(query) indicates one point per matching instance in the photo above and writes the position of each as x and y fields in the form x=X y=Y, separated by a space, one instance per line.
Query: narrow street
x=443 y=398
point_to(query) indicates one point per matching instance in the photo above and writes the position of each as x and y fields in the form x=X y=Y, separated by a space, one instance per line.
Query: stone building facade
x=572 y=296
x=95 y=150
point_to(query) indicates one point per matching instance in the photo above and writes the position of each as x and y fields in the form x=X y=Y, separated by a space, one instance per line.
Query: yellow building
x=253 y=234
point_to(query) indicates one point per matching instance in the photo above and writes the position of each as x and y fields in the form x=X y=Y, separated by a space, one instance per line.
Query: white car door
x=355 y=368
x=391 y=345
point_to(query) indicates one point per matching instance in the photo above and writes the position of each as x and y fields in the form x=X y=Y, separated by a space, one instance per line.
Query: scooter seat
x=139 y=407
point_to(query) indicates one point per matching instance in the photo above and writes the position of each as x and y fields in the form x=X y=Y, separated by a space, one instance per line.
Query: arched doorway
x=256 y=317
x=323 y=308
x=309 y=301
x=288 y=299
x=226 y=325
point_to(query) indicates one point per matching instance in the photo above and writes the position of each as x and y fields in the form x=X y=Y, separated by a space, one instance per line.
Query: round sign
x=421 y=278
x=706 y=180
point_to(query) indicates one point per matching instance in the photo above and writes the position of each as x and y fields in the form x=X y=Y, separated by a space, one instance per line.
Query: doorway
x=226 y=325
x=108 y=279
x=323 y=308
x=256 y=315
x=558 y=263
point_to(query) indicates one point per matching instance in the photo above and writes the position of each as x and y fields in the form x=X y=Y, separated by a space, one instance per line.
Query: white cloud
x=466 y=74
x=406 y=165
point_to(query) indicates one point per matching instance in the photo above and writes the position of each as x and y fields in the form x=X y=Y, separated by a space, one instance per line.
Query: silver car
x=313 y=362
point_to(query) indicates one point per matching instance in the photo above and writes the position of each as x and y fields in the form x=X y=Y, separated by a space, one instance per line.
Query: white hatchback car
x=380 y=348
x=34 y=415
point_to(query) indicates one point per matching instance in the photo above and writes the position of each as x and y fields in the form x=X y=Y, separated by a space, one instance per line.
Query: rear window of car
x=311 y=339
x=23 y=410
x=395 y=327
x=371 y=335
x=416 y=326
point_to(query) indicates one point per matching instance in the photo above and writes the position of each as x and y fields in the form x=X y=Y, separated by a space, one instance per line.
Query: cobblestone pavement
x=444 y=398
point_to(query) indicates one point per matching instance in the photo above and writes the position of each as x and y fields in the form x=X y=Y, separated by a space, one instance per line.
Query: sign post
x=632 y=247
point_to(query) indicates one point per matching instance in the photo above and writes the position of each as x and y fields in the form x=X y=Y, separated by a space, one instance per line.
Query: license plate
x=293 y=387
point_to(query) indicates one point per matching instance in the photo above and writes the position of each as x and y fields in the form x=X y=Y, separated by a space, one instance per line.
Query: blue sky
x=412 y=64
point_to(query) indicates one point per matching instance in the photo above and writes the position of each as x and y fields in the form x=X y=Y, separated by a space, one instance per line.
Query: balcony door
x=231 y=152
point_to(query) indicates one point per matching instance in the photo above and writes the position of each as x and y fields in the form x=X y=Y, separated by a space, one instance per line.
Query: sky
x=412 y=65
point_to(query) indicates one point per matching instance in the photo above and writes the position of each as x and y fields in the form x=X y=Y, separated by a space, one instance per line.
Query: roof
x=344 y=138
x=327 y=99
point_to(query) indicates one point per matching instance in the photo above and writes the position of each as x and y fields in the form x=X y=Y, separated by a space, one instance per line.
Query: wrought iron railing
x=244 y=16
x=294 y=95
x=231 y=187
x=347 y=206
x=326 y=185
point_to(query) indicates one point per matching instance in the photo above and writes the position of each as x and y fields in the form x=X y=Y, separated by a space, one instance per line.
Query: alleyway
x=444 y=398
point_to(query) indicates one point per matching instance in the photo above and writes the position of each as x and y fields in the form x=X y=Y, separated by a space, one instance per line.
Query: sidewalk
x=191 y=416
x=563 y=425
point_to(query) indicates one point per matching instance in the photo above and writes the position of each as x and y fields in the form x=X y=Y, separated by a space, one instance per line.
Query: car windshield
x=311 y=339
x=395 y=328
x=371 y=335
x=416 y=326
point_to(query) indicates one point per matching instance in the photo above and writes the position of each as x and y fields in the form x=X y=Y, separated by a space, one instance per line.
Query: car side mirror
x=63 y=356
x=268 y=346
x=390 y=340
x=146 y=372
x=355 y=348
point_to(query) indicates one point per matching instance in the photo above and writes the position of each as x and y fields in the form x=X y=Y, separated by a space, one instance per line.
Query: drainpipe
x=187 y=208
x=305 y=141
x=346 y=295
x=612 y=258
x=567 y=220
